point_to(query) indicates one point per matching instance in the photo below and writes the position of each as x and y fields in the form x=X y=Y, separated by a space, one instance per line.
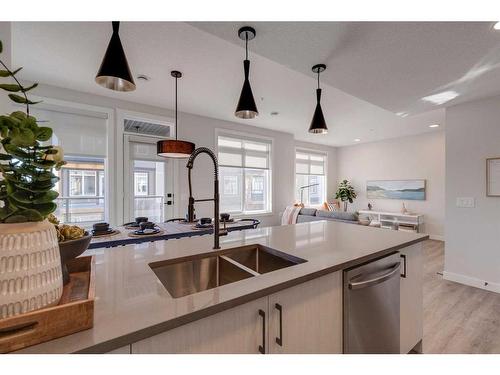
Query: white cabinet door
x=311 y=317
x=411 y=299
x=237 y=330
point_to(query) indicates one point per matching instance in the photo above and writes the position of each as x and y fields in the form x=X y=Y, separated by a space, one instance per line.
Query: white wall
x=472 y=234
x=416 y=157
x=201 y=131
x=5 y=37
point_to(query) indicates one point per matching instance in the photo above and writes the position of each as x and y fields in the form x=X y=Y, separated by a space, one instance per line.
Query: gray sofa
x=311 y=214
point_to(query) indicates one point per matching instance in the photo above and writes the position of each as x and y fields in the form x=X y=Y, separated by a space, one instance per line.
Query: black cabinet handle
x=279 y=340
x=403 y=275
x=262 y=348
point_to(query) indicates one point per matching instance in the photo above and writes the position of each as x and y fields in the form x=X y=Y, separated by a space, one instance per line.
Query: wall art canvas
x=396 y=189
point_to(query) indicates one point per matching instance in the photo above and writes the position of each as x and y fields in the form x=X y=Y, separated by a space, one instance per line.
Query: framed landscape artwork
x=396 y=189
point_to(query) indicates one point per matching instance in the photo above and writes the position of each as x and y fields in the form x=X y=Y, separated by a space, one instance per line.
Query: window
x=140 y=183
x=81 y=191
x=82 y=183
x=310 y=177
x=245 y=173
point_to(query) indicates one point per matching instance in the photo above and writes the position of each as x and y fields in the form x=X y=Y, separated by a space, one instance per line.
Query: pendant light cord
x=176 y=78
x=318 y=78
x=246 y=45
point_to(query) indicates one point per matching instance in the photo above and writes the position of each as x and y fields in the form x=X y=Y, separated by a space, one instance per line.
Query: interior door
x=148 y=180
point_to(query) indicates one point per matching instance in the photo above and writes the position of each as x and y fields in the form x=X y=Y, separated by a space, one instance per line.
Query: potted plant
x=346 y=193
x=30 y=264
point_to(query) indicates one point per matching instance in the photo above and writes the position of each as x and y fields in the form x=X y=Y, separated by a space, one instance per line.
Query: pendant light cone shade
x=246 y=107
x=174 y=148
x=114 y=73
x=318 y=124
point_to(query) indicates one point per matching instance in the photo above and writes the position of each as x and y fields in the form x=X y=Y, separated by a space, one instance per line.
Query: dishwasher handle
x=377 y=280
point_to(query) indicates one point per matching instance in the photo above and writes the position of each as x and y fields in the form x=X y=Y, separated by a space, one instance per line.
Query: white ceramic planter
x=30 y=267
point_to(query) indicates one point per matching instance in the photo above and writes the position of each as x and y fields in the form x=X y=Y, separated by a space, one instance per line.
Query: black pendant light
x=246 y=107
x=318 y=124
x=173 y=148
x=114 y=73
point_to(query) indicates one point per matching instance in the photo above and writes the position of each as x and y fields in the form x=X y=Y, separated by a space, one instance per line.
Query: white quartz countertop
x=131 y=304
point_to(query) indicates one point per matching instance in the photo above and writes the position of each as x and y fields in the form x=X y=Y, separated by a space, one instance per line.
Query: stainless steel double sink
x=189 y=275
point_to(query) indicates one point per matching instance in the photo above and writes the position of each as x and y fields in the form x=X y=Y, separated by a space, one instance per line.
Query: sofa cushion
x=338 y=215
x=307 y=211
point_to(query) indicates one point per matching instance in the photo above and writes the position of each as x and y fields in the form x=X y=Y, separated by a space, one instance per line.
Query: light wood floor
x=457 y=318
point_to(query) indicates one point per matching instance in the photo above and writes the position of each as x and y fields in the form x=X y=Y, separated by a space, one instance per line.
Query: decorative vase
x=30 y=267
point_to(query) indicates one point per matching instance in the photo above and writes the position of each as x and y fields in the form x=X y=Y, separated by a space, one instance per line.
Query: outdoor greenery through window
x=310 y=177
x=245 y=174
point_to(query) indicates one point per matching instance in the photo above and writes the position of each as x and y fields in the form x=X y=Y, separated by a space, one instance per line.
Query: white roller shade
x=77 y=133
x=244 y=152
x=310 y=163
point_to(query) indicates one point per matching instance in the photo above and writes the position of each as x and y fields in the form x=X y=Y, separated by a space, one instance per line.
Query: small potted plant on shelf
x=29 y=251
x=346 y=193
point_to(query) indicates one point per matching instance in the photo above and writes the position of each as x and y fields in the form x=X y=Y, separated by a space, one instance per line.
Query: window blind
x=307 y=162
x=244 y=152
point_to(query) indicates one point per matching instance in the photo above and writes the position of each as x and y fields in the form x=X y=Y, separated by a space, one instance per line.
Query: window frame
x=81 y=173
x=310 y=151
x=142 y=174
x=244 y=136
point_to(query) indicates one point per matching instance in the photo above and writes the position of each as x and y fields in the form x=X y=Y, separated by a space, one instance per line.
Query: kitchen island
x=134 y=312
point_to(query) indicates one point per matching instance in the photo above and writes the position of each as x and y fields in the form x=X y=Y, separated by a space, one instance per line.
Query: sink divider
x=239 y=265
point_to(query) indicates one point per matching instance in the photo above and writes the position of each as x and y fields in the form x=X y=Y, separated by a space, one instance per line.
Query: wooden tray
x=74 y=313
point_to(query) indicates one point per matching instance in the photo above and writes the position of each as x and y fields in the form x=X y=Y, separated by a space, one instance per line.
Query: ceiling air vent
x=146 y=128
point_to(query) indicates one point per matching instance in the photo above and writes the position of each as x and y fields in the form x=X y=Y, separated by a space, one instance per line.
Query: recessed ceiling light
x=434 y=126
x=357 y=140
x=496 y=26
x=441 y=98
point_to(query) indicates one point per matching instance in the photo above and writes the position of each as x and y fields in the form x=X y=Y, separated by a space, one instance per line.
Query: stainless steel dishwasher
x=371 y=306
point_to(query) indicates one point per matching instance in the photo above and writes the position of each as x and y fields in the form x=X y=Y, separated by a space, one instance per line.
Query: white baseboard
x=471 y=281
x=436 y=237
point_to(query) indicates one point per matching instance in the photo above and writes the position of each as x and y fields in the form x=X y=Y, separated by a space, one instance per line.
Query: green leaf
x=11 y=87
x=46 y=197
x=45 y=208
x=16 y=219
x=19 y=115
x=22 y=196
x=6 y=73
x=44 y=164
x=43 y=133
x=16 y=151
x=25 y=138
x=26 y=89
x=23 y=216
x=5 y=212
x=20 y=99
x=32 y=215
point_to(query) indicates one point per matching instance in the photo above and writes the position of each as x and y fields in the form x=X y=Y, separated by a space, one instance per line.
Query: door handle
x=262 y=348
x=377 y=280
x=279 y=340
x=403 y=275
